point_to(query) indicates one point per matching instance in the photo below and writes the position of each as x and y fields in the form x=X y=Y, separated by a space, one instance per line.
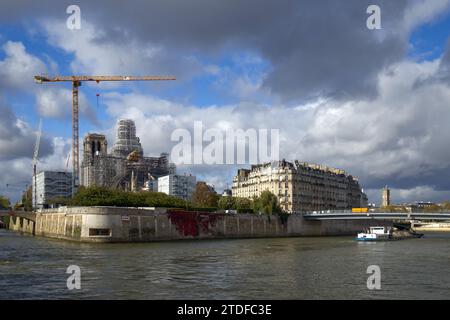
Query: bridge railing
x=375 y=210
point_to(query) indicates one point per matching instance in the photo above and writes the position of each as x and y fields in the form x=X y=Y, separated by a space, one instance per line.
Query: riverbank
x=433 y=227
x=113 y=224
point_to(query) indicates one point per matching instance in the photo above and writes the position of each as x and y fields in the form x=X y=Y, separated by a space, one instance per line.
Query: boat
x=375 y=234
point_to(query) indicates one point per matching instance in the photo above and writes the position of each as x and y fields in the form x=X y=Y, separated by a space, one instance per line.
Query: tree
x=244 y=204
x=446 y=205
x=59 y=201
x=227 y=203
x=267 y=203
x=433 y=208
x=205 y=196
x=101 y=196
x=27 y=201
x=395 y=208
x=4 y=203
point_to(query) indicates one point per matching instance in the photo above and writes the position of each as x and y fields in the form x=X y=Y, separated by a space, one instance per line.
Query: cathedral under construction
x=125 y=167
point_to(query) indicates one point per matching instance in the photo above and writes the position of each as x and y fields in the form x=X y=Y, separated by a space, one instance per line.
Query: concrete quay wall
x=21 y=225
x=112 y=224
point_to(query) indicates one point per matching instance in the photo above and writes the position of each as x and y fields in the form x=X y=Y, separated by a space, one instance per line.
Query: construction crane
x=35 y=159
x=76 y=82
x=68 y=158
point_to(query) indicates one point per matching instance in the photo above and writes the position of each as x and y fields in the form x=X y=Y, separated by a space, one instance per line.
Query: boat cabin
x=377 y=230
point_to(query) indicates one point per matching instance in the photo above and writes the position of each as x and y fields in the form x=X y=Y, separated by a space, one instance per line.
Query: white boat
x=375 y=234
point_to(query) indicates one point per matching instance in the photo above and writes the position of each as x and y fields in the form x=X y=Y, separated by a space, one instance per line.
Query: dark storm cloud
x=18 y=140
x=439 y=179
x=314 y=47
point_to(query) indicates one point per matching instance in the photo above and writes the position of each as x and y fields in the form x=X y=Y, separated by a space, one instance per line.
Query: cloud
x=420 y=12
x=19 y=67
x=399 y=138
x=17 y=71
x=98 y=53
x=444 y=65
x=17 y=139
x=16 y=173
x=313 y=48
x=419 y=193
x=17 y=143
x=57 y=103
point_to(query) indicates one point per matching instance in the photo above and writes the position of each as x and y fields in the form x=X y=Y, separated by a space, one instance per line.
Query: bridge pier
x=21 y=224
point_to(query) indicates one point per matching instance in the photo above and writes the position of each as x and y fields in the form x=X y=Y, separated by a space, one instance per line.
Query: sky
x=375 y=103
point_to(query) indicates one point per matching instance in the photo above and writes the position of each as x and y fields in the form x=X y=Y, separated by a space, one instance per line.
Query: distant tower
x=386 y=197
x=94 y=145
x=126 y=141
x=95 y=148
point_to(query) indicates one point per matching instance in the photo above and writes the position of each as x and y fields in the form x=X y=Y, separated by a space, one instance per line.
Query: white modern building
x=181 y=186
x=151 y=185
x=51 y=184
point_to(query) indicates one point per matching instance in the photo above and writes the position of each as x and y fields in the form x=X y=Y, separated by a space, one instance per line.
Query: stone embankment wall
x=111 y=224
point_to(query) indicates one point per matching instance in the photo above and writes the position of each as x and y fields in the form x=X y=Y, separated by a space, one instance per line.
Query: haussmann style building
x=300 y=186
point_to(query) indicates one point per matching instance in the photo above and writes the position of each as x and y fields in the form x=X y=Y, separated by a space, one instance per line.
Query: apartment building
x=300 y=186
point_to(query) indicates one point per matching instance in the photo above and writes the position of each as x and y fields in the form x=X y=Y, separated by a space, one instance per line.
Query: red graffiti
x=192 y=223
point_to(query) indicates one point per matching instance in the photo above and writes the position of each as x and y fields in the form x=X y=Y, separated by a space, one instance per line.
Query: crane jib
x=41 y=79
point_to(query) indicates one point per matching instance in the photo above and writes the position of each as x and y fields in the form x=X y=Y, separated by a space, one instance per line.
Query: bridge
x=348 y=215
x=23 y=221
x=21 y=214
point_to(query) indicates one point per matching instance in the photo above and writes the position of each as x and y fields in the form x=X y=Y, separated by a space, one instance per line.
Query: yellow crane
x=76 y=82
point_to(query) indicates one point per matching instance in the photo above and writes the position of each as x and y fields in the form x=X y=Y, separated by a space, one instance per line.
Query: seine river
x=287 y=268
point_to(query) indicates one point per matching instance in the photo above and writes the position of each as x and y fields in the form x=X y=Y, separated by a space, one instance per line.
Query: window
x=99 y=232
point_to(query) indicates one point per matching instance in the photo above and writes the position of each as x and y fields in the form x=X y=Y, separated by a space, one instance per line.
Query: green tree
x=100 y=196
x=27 y=199
x=4 y=202
x=267 y=203
x=244 y=204
x=227 y=203
x=59 y=201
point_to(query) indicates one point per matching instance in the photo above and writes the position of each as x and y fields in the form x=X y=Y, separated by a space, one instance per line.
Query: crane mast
x=76 y=82
x=35 y=159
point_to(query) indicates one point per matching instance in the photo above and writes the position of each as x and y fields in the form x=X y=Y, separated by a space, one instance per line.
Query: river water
x=282 y=268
